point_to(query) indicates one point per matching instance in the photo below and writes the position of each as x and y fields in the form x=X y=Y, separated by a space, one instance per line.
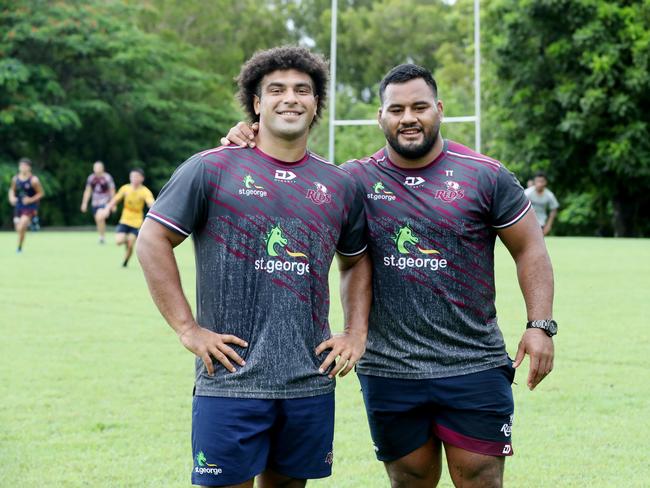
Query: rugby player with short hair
x=266 y=223
x=100 y=188
x=543 y=201
x=135 y=196
x=25 y=193
x=436 y=373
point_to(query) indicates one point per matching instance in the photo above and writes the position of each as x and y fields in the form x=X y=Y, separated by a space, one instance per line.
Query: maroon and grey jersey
x=265 y=233
x=431 y=235
x=101 y=188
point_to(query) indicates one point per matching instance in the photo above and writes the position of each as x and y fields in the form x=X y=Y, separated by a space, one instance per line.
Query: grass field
x=95 y=390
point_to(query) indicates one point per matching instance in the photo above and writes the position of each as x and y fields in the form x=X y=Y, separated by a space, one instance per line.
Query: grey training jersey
x=431 y=238
x=542 y=204
x=265 y=233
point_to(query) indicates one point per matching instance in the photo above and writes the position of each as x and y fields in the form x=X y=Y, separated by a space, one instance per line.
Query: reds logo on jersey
x=452 y=192
x=319 y=195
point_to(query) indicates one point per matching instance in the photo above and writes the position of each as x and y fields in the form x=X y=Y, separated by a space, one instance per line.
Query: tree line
x=133 y=83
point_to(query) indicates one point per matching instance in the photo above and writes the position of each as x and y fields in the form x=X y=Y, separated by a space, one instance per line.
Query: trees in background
x=150 y=82
x=570 y=95
x=83 y=80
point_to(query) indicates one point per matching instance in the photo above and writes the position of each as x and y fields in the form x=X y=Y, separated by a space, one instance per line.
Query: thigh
x=418 y=469
x=230 y=439
x=271 y=479
x=399 y=415
x=120 y=237
x=476 y=411
x=99 y=216
x=472 y=470
x=25 y=220
x=302 y=438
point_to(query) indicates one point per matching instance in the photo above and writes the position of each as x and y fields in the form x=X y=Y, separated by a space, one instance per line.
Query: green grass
x=95 y=390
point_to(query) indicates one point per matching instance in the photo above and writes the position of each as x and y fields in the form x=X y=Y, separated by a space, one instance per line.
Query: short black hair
x=282 y=58
x=404 y=73
x=25 y=160
x=137 y=170
x=540 y=174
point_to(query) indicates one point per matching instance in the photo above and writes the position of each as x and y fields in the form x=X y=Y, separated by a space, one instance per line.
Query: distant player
x=543 y=201
x=101 y=187
x=135 y=196
x=25 y=194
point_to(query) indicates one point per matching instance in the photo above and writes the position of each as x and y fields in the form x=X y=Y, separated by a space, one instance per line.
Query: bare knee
x=420 y=468
x=470 y=470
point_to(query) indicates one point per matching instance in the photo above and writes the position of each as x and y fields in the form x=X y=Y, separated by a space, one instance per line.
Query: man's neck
x=283 y=149
x=24 y=176
x=402 y=162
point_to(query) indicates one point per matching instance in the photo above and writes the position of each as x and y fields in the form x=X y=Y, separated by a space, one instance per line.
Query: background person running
x=25 y=194
x=135 y=196
x=543 y=201
x=100 y=188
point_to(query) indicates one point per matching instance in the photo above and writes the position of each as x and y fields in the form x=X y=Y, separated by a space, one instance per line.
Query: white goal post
x=476 y=118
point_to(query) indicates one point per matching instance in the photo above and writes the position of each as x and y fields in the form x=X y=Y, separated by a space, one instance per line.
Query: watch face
x=552 y=326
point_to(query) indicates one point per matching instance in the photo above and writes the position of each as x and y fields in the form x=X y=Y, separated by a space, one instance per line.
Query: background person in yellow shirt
x=135 y=196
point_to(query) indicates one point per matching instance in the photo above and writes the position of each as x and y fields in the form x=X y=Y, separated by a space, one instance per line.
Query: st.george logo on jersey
x=452 y=192
x=319 y=195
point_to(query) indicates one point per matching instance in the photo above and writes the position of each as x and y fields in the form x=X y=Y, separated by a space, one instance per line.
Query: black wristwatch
x=549 y=326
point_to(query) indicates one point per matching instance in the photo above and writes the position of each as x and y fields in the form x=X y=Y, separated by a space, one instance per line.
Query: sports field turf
x=95 y=390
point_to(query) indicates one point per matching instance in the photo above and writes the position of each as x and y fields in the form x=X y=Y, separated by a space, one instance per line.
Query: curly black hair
x=282 y=58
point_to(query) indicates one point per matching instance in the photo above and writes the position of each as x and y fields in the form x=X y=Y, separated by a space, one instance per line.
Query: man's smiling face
x=286 y=103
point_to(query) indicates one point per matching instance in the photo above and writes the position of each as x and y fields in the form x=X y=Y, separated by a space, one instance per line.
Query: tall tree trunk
x=623 y=219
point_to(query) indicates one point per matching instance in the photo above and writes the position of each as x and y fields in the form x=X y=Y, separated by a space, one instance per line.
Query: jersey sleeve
x=509 y=202
x=552 y=201
x=149 y=198
x=88 y=180
x=353 y=233
x=111 y=182
x=181 y=205
x=121 y=192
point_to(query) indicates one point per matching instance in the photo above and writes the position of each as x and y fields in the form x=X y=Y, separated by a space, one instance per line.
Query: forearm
x=156 y=257
x=535 y=275
x=86 y=197
x=551 y=218
x=356 y=295
x=111 y=204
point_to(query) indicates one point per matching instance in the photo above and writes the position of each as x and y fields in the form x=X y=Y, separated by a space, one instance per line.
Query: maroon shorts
x=27 y=211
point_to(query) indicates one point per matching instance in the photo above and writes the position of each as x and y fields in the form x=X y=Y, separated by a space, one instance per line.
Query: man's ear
x=256 y=104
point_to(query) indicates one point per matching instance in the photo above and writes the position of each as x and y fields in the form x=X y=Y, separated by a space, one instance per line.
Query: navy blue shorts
x=235 y=439
x=126 y=229
x=96 y=208
x=473 y=412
